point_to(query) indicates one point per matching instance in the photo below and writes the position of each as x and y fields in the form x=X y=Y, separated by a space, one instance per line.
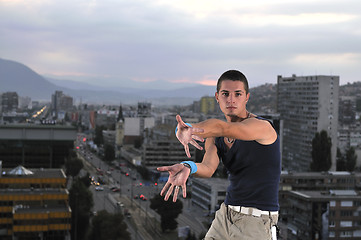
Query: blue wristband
x=176 y=128
x=193 y=166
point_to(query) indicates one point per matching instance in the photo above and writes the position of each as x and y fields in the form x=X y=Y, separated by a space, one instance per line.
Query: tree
x=81 y=203
x=73 y=166
x=321 y=152
x=109 y=226
x=168 y=211
x=350 y=159
x=109 y=153
x=340 y=162
x=86 y=180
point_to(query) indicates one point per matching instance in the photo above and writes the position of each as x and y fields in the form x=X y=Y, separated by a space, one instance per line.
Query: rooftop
x=328 y=195
x=21 y=172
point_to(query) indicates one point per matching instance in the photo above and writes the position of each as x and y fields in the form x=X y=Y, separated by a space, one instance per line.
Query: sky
x=173 y=43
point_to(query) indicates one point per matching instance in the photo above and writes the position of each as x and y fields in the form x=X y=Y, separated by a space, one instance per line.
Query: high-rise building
x=208 y=105
x=35 y=146
x=307 y=105
x=34 y=204
x=9 y=102
x=60 y=102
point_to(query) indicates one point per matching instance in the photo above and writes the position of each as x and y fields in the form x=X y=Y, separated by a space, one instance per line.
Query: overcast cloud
x=138 y=42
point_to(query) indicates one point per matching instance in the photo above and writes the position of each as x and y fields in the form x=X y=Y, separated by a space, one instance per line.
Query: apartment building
x=209 y=193
x=165 y=152
x=34 y=204
x=307 y=105
x=9 y=102
x=333 y=214
x=316 y=205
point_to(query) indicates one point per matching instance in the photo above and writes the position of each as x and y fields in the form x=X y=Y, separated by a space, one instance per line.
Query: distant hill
x=17 y=77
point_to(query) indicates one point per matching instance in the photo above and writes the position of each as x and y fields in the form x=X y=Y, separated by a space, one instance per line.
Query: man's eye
x=226 y=94
x=238 y=94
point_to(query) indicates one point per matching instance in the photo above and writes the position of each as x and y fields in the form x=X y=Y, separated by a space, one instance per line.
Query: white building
x=307 y=105
x=209 y=193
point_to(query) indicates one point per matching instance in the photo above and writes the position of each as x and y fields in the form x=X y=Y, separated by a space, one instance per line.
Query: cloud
x=185 y=41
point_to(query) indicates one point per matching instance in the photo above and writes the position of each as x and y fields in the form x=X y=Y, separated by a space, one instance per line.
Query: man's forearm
x=203 y=171
x=211 y=127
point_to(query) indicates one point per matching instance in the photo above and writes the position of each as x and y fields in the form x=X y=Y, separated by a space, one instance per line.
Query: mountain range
x=17 y=77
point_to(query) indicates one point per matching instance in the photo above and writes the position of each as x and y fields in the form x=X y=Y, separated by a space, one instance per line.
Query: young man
x=249 y=149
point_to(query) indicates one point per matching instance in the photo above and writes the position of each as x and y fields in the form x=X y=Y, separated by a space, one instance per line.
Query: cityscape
x=68 y=168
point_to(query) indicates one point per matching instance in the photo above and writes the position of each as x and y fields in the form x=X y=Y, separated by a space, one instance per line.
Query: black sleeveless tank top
x=254 y=173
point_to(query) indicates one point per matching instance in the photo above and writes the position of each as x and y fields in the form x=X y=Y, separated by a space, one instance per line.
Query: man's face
x=232 y=98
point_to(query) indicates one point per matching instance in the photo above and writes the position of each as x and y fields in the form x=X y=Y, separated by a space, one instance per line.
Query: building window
x=331 y=234
x=346 y=213
x=346 y=223
x=346 y=234
x=357 y=233
x=332 y=203
x=346 y=204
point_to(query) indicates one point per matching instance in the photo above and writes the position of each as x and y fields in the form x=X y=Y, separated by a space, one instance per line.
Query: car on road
x=143 y=197
x=99 y=189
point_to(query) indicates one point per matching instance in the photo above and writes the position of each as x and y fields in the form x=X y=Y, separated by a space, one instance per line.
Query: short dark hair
x=233 y=75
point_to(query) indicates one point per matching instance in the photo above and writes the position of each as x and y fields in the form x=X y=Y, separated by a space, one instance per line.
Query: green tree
x=168 y=211
x=73 y=166
x=109 y=153
x=321 y=152
x=351 y=159
x=81 y=203
x=106 y=226
x=86 y=180
x=340 y=162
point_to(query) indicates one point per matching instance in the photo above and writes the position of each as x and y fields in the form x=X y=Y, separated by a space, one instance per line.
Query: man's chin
x=232 y=115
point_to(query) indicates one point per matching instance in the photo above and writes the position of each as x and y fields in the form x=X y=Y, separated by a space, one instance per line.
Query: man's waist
x=251 y=211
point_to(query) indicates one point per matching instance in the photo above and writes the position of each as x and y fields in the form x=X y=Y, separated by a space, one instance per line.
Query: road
x=144 y=222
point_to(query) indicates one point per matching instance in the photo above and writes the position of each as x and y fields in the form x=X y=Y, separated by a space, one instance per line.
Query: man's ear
x=216 y=96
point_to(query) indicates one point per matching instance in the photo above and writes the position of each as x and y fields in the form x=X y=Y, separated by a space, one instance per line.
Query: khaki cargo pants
x=229 y=224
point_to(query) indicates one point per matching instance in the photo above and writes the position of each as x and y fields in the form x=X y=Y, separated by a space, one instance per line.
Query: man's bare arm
x=248 y=130
x=210 y=160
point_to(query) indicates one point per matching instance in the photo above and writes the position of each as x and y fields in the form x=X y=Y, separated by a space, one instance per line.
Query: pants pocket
x=247 y=227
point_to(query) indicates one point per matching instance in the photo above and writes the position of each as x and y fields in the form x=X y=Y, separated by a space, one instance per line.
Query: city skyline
x=175 y=44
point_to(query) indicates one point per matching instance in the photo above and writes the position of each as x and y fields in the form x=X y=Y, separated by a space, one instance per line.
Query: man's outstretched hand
x=187 y=134
x=178 y=175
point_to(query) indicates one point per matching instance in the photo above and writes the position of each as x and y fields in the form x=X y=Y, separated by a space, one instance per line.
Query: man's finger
x=169 y=192
x=186 y=149
x=176 y=191
x=198 y=138
x=166 y=186
x=179 y=120
x=163 y=169
x=197 y=130
x=194 y=143
x=184 y=191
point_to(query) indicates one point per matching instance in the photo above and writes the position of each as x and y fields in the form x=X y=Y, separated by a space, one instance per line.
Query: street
x=143 y=222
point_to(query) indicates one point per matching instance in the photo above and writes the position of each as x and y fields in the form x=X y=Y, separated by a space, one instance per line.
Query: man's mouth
x=231 y=107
